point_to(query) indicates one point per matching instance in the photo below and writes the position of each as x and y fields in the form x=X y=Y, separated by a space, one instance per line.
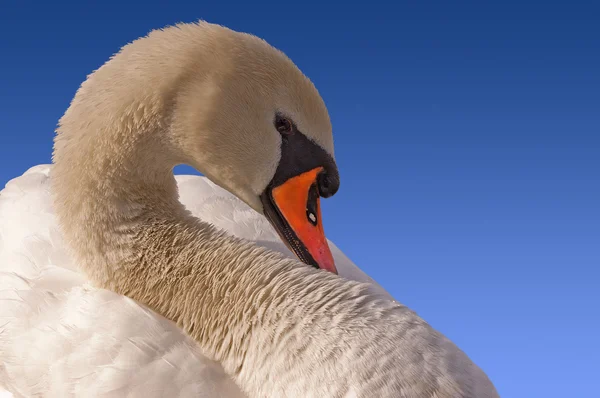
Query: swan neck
x=119 y=212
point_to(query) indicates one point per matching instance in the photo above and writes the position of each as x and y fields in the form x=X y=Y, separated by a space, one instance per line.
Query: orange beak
x=295 y=213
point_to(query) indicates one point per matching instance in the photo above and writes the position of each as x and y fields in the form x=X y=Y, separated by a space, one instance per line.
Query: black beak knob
x=328 y=181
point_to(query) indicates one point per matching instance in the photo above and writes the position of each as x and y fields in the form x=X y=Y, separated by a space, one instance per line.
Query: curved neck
x=278 y=327
x=121 y=217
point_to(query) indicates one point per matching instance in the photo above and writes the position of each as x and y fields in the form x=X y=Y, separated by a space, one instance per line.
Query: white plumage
x=203 y=95
x=61 y=337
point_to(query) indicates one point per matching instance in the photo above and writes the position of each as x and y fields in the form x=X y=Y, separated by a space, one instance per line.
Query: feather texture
x=202 y=95
x=61 y=337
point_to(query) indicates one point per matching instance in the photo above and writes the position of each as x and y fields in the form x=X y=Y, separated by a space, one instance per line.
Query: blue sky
x=467 y=136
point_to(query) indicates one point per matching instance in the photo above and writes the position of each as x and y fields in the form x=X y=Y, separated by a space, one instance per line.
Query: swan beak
x=294 y=210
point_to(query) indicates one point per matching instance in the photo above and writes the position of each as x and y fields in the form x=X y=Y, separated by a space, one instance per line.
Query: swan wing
x=61 y=337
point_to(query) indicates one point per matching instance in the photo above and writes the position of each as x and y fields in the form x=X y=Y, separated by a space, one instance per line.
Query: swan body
x=119 y=279
x=75 y=338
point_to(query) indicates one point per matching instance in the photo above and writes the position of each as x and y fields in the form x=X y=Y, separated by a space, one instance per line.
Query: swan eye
x=284 y=125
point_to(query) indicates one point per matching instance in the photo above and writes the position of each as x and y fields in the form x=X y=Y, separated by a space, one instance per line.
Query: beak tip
x=325 y=259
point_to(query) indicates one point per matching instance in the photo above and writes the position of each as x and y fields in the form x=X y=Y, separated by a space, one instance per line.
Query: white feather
x=61 y=337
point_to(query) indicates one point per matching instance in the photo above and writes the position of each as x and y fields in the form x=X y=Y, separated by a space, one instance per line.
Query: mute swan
x=176 y=306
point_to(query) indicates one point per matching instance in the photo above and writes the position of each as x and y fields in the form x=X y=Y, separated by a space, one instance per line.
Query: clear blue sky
x=467 y=137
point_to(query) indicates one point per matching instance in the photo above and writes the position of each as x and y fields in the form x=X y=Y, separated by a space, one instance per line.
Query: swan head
x=246 y=117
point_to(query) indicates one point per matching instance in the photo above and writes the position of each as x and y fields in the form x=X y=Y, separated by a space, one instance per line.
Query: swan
x=118 y=278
